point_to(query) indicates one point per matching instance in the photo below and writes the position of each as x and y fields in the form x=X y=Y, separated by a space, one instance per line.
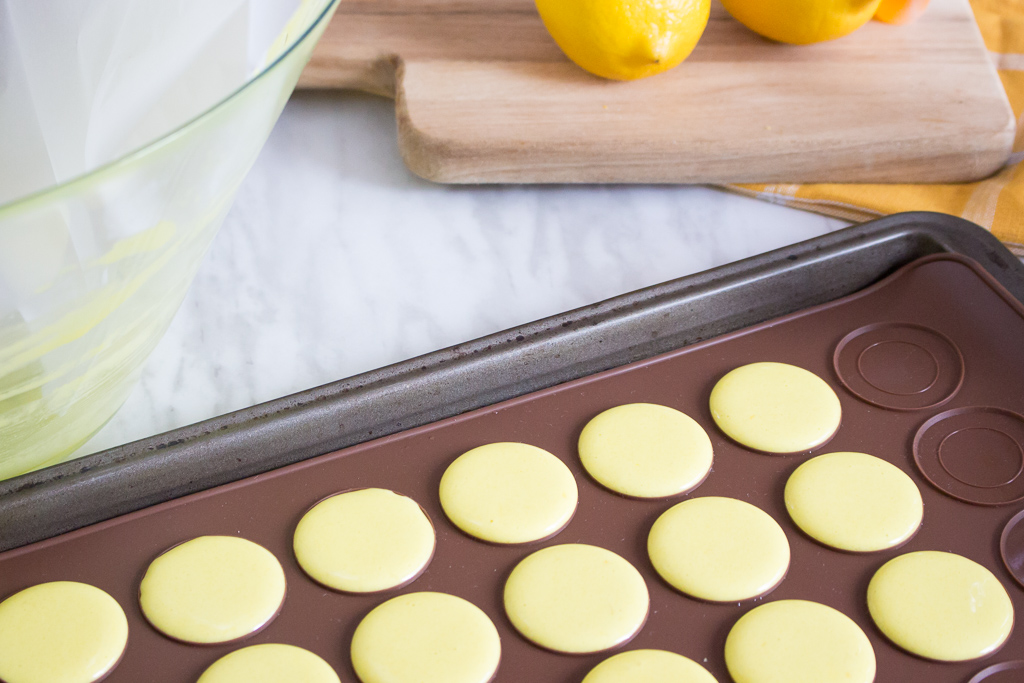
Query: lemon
x=802 y=21
x=900 y=11
x=625 y=39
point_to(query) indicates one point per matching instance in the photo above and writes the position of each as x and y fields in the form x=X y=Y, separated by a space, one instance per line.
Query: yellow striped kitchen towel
x=996 y=203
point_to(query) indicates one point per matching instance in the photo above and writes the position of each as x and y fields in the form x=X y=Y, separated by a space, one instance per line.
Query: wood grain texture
x=483 y=95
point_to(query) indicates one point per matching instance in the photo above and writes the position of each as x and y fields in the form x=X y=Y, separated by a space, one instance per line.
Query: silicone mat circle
x=973 y=454
x=899 y=366
x=1011 y=547
x=1003 y=672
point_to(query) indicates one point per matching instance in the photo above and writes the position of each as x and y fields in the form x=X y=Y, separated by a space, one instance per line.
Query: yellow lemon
x=802 y=21
x=625 y=39
x=900 y=11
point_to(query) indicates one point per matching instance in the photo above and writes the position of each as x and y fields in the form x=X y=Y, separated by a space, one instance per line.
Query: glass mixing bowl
x=93 y=270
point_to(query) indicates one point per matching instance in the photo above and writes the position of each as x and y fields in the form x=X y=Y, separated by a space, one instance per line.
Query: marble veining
x=335 y=260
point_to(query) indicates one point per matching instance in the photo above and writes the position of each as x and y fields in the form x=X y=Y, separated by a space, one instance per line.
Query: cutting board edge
x=454 y=161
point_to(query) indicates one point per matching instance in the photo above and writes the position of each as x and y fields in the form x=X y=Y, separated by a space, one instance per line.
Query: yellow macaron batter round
x=648 y=666
x=798 y=641
x=60 y=632
x=719 y=549
x=576 y=598
x=854 y=502
x=775 y=407
x=940 y=606
x=645 y=450
x=426 y=637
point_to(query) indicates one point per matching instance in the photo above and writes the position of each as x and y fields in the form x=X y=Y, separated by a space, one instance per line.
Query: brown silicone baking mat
x=940 y=318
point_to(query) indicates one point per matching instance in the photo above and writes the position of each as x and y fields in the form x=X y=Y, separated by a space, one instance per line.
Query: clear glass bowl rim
x=41 y=197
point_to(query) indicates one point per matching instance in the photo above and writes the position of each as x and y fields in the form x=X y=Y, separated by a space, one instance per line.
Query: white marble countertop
x=336 y=260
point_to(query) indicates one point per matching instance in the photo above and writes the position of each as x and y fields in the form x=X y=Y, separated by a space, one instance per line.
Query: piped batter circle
x=854 y=502
x=508 y=493
x=798 y=641
x=1011 y=547
x=719 y=549
x=974 y=454
x=576 y=598
x=270 y=663
x=645 y=450
x=426 y=638
x=60 y=632
x=1003 y=672
x=900 y=366
x=212 y=589
x=364 y=541
x=775 y=408
x=940 y=606
x=648 y=666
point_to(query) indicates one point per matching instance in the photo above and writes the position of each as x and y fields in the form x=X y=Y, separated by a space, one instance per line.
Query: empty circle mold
x=1011 y=547
x=981 y=457
x=973 y=454
x=1003 y=672
x=899 y=366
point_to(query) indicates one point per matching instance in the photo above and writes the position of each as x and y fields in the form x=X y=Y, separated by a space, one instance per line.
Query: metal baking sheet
x=452 y=381
x=926 y=366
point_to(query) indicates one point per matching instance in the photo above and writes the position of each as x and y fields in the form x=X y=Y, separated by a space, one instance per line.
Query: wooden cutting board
x=483 y=95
